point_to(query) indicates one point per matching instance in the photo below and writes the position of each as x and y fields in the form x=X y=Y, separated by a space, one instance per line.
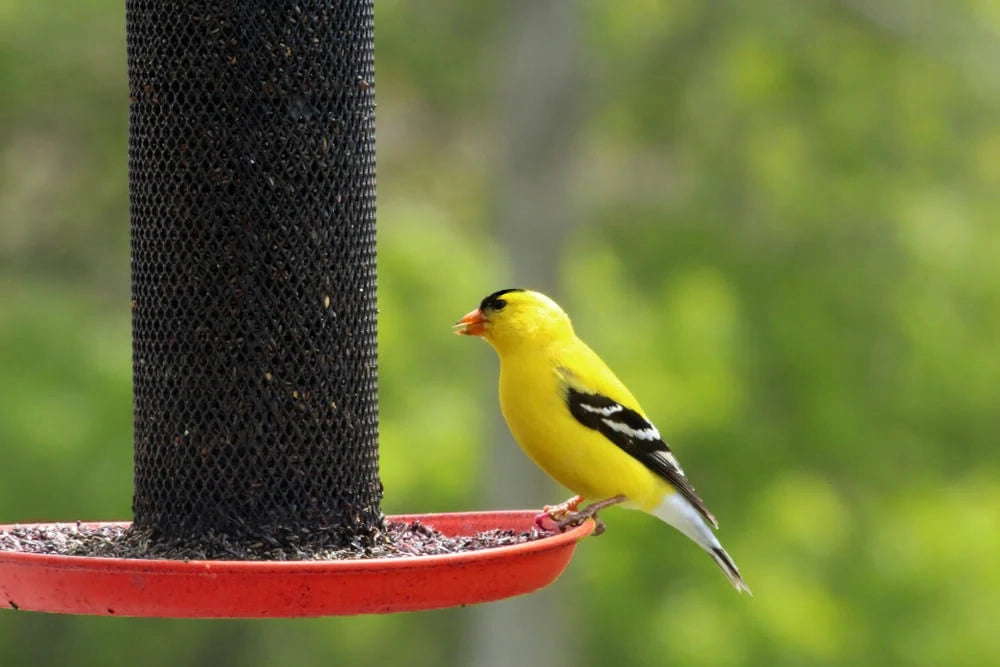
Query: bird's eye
x=499 y=304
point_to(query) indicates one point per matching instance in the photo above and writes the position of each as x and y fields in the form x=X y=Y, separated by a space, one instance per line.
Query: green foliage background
x=787 y=244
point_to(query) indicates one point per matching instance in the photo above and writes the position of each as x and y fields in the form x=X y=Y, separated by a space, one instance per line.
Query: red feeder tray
x=271 y=589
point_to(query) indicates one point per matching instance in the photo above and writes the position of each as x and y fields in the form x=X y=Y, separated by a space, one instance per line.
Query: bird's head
x=510 y=317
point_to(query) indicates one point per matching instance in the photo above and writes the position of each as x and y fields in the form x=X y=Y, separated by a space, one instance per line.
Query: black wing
x=637 y=437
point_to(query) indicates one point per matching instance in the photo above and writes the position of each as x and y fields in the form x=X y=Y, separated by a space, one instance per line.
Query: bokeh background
x=777 y=221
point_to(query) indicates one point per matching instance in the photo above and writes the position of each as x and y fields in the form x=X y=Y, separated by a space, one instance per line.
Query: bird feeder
x=252 y=199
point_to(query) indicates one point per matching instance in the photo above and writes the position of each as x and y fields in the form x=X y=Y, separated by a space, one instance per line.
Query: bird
x=581 y=425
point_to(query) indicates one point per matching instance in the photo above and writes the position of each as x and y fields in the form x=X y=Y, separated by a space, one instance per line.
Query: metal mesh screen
x=252 y=192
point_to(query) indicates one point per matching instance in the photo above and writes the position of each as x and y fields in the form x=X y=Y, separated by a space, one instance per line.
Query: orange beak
x=473 y=324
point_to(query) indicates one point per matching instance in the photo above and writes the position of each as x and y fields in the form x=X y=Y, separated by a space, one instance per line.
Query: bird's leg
x=558 y=512
x=588 y=512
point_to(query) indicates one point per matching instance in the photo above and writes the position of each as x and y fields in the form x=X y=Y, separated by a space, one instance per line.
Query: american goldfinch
x=581 y=425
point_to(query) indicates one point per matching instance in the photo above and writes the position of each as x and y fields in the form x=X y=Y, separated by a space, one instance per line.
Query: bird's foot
x=574 y=519
x=557 y=512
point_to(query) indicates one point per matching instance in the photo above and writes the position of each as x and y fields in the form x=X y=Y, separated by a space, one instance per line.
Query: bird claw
x=540 y=520
x=574 y=519
x=577 y=518
x=557 y=513
x=563 y=509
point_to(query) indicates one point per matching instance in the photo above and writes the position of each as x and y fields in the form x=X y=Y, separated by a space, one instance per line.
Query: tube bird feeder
x=252 y=200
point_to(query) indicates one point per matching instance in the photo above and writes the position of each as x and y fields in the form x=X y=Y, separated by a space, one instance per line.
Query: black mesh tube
x=252 y=192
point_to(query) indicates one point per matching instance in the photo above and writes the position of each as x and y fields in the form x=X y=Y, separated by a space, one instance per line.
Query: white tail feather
x=679 y=513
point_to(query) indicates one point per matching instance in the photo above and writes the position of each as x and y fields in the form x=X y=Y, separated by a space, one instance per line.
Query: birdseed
x=396 y=540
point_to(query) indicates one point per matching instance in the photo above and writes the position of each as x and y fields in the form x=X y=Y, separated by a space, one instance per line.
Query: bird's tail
x=679 y=513
x=728 y=567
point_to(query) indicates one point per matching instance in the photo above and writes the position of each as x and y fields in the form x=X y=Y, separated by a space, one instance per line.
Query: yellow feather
x=532 y=399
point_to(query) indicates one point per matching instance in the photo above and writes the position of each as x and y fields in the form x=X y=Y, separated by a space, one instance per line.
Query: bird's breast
x=533 y=402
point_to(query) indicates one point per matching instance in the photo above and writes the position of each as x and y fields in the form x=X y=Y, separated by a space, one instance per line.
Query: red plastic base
x=268 y=589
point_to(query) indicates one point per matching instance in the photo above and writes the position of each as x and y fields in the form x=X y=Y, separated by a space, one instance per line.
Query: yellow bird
x=581 y=425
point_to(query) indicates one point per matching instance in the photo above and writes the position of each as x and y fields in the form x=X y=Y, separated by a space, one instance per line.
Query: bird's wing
x=633 y=433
